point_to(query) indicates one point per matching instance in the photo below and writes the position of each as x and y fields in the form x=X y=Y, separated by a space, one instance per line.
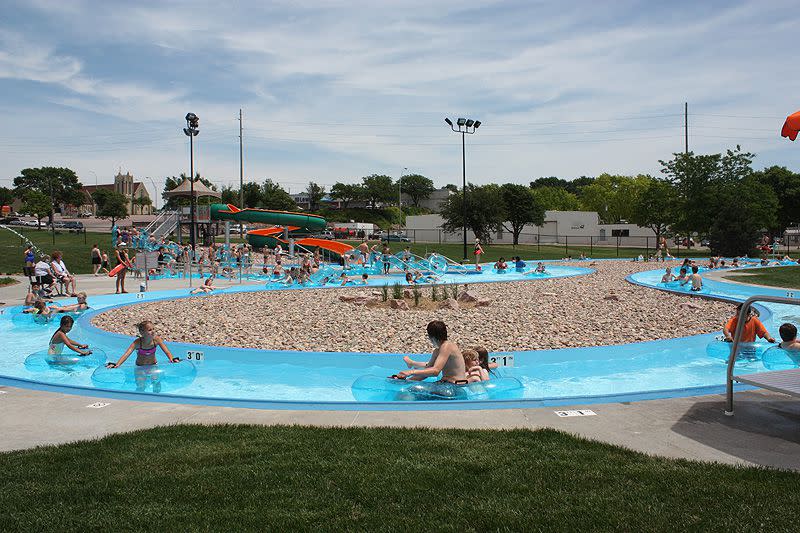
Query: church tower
x=123 y=184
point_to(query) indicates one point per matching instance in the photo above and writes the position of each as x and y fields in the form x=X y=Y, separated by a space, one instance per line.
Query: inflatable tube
x=748 y=351
x=373 y=388
x=35 y=319
x=438 y=263
x=114 y=271
x=776 y=358
x=67 y=360
x=164 y=377
x=325 y=271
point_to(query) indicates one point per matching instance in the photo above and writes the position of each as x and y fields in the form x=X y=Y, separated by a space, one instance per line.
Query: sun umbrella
x=792 y=126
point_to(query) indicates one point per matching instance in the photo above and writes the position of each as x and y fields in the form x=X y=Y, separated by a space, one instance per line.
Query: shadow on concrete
x=765 y=429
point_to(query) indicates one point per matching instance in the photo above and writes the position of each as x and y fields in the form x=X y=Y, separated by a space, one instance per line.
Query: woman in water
x=207 y=286
x=146 y=345
x=73 y=308
x=60 y=339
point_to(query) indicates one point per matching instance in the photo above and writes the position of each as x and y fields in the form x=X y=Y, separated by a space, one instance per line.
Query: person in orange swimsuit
x=752 y=327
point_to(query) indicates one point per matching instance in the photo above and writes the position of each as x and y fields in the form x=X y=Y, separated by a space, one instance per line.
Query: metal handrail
x=740 y=323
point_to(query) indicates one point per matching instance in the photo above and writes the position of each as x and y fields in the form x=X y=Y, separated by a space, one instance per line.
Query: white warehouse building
x=573 y=227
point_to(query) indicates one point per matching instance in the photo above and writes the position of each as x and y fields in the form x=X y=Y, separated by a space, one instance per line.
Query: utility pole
x=686 y=127
x=241 y=173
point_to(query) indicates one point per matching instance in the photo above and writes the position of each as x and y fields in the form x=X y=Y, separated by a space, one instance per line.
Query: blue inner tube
x=373 y=388
x=776 y=358
x=748 y=351
x=67 y=360
x=164 y=377
x=438 y=263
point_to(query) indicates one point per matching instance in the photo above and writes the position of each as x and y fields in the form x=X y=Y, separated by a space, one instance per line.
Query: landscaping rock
x=449 y=304
x=467 y=297
x=401 y=305
x=483 y=302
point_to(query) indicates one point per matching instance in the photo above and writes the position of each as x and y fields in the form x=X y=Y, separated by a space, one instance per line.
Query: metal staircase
x=164 y=224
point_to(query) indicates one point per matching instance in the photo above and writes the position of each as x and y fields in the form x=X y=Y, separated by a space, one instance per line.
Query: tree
x=556 y=199
x=38 y=203
x=315 y=195
x=252 y=195
x=613 y=197
x=655 y=207
x=485 y=211
x=346 y=193
x=521 y=207
x=786 y=185
x=452 y=188
x=6 y=196
x=698 y=179
x=574 y=186
x=61 y=183
x=743 y=209
x=378 y=188
x=230 y=195
x=170 y=182
x=110 y=204
x=418 y=187
x=274 y=197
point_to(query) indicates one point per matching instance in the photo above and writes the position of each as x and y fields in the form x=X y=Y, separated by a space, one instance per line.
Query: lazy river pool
x=325 y=380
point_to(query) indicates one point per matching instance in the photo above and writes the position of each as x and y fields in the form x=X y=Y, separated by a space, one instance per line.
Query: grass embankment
x=77 y=255
x=493 y=252
x=788 y=277
x=7 y=281
x=183 y=478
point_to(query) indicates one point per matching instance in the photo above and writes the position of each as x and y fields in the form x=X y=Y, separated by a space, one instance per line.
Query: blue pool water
x=281 y=379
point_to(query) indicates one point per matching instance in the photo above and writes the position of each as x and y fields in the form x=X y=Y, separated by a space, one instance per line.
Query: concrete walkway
x=765 y=430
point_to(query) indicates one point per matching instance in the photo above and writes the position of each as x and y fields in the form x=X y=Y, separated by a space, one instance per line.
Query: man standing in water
x=445 y=359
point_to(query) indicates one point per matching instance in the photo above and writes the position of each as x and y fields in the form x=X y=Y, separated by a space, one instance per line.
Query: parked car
x=395 y=238
x=705 y=242
x=73 y=226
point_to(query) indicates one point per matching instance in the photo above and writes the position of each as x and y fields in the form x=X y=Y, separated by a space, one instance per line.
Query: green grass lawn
x=77 y=255
x=7 y=281
x=493 y=252
x=186 y=478
x=787 y=276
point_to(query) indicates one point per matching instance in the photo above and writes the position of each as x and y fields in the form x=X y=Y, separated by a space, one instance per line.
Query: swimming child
x=752 y=327
x=345 y=279
x=667 y=277
x=60 y=339
x=364 y=278
x=519 y=264
x=146 y=345
x=39 y=309
x=446 y=359
x=697 y=281
x=483 y=358
x=501 y=264
x=789 y=340
x=475 y=373
x=207 y=287
x=682 y=277
x=410 y=278
x=73 y=308
x=540 y=268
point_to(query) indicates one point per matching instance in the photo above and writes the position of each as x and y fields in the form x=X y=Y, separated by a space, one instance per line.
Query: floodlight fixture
x=449 y=122
x=477 y=124
x=461 y=121
x=470 y=122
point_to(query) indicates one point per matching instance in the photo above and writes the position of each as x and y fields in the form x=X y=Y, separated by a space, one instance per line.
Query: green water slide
x=296 y=223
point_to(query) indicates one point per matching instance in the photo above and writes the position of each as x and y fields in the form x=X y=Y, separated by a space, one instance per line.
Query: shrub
x=397 y=291
x=384 y=293
x=435 y=293
x=417 y=296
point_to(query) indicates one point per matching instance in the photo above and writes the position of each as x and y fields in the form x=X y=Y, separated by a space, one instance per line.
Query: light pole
x=155 y=190
x=465 y=125
x=191 y=130
x=400 y=189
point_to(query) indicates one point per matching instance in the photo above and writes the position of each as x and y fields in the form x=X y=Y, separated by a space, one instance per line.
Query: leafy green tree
x=252 y=195
x=378 y=188
x=743 y=209
x=613 y=197
x=786 y=185
x=61 y=182
x=230 y=195
x=574 y=186
x=452 y=188
x=521 y=207
x=346 y=193
x=38 y=203
x=556 y=199
x=485 y=211
x=315 y=194
x=655 y=207
x=171 y=182
x=6 y=196
x=418 y=187
x=274 y=197
x=110 y=204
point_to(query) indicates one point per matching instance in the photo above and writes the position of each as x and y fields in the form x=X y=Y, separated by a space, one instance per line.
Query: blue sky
x=335 y=90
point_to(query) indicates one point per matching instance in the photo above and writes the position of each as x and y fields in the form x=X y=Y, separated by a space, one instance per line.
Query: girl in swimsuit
x=207 y=286
x=478 y=252
x=60 y=339
x=475 y=372
x=146 y=345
